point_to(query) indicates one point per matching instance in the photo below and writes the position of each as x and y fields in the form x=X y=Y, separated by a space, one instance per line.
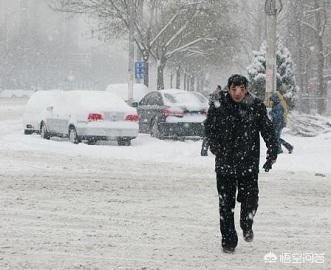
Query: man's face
x=237 y=93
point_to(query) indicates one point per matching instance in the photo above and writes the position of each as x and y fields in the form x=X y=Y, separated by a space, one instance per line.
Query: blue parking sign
x=139 y=70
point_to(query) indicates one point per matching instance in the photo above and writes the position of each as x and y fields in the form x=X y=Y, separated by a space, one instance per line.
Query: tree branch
x=164 y=28
x=180 y=49
x=309 y=26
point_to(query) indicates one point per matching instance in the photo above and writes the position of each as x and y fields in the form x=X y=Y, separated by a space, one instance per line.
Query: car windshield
x=184 y=98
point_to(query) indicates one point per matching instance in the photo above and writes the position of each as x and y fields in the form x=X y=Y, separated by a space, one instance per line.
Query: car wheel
x=73 y=137
x=43 y=131
x=155 y=131
x=28 y=132
x=123 y=141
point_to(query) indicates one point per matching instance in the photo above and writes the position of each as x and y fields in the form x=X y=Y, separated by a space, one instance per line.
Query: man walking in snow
x=233 y=128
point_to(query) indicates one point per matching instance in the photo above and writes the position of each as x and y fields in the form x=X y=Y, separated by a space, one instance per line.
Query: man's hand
x=268 y=165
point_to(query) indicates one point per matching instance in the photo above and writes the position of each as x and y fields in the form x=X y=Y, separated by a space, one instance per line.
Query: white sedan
x=90 y=116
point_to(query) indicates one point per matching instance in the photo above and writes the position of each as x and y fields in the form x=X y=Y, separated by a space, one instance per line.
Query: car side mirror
x=134 y=104
x=49 y=108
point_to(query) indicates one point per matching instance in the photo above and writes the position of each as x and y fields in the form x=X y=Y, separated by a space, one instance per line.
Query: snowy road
x=150 y=206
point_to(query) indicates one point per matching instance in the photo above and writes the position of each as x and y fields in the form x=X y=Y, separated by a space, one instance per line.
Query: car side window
x=155 y=99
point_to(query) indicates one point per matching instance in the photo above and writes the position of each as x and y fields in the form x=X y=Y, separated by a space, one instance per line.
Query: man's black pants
x=248 y=196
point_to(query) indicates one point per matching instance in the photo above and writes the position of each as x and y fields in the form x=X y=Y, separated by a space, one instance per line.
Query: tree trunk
x=303 y=104
x=192 y=83
x=185 y=80
x=197 y=86
x=171 y=78
x=307 y=94
x=146 y=73
x=146 y=67
x=203 y=82
x=320 y=75
x=320 y=61
x=160 y=74
x=178 y=77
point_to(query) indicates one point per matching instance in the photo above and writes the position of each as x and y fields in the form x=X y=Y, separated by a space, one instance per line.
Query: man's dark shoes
x=228 y=249
x=290 y=149
x=248 y=235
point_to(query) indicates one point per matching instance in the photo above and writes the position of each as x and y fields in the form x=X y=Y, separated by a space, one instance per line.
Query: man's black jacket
x=233 y=129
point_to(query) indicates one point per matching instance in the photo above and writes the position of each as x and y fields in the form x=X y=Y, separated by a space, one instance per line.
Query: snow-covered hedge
x=307 y=125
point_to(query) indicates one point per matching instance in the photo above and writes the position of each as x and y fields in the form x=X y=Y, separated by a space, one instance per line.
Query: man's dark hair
x=237 y=80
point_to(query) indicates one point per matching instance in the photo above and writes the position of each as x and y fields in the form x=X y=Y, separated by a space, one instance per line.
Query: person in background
x=233 y=127
x=278 y=115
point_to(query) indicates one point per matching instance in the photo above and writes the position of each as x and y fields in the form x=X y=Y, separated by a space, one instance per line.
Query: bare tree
x=206 y=37
x=163 y=29
x=308 y=27
x=112 y=20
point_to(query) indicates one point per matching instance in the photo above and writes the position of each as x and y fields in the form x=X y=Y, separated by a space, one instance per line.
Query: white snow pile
x=308 y=125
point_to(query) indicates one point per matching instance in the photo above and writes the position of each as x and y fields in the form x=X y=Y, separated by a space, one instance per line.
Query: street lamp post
x=271 y=65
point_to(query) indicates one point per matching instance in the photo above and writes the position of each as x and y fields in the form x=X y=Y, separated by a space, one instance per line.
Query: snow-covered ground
x=152 y=205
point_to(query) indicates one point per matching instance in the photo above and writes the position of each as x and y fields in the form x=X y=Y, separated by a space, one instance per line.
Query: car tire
x=155 y=131
x=72 y=134
x=28 y=132
x=124 y=142
x=43 y=131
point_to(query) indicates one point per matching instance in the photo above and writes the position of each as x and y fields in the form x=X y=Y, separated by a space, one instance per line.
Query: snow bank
x=307 y=125
x=16 y=93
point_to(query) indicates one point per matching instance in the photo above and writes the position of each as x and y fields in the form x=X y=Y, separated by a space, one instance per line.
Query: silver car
x=90 y=116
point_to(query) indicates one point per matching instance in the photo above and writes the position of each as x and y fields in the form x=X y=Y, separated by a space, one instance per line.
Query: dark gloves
x=268 y=165
x=215 y=148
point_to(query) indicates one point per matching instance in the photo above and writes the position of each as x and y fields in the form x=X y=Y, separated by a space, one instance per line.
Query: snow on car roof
x=42 y=98
x=97 y=100
x=173 y=91
x=121 y=89
x=182 y=97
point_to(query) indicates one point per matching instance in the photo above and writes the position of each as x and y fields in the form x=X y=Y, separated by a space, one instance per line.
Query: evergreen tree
x=286 y=84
